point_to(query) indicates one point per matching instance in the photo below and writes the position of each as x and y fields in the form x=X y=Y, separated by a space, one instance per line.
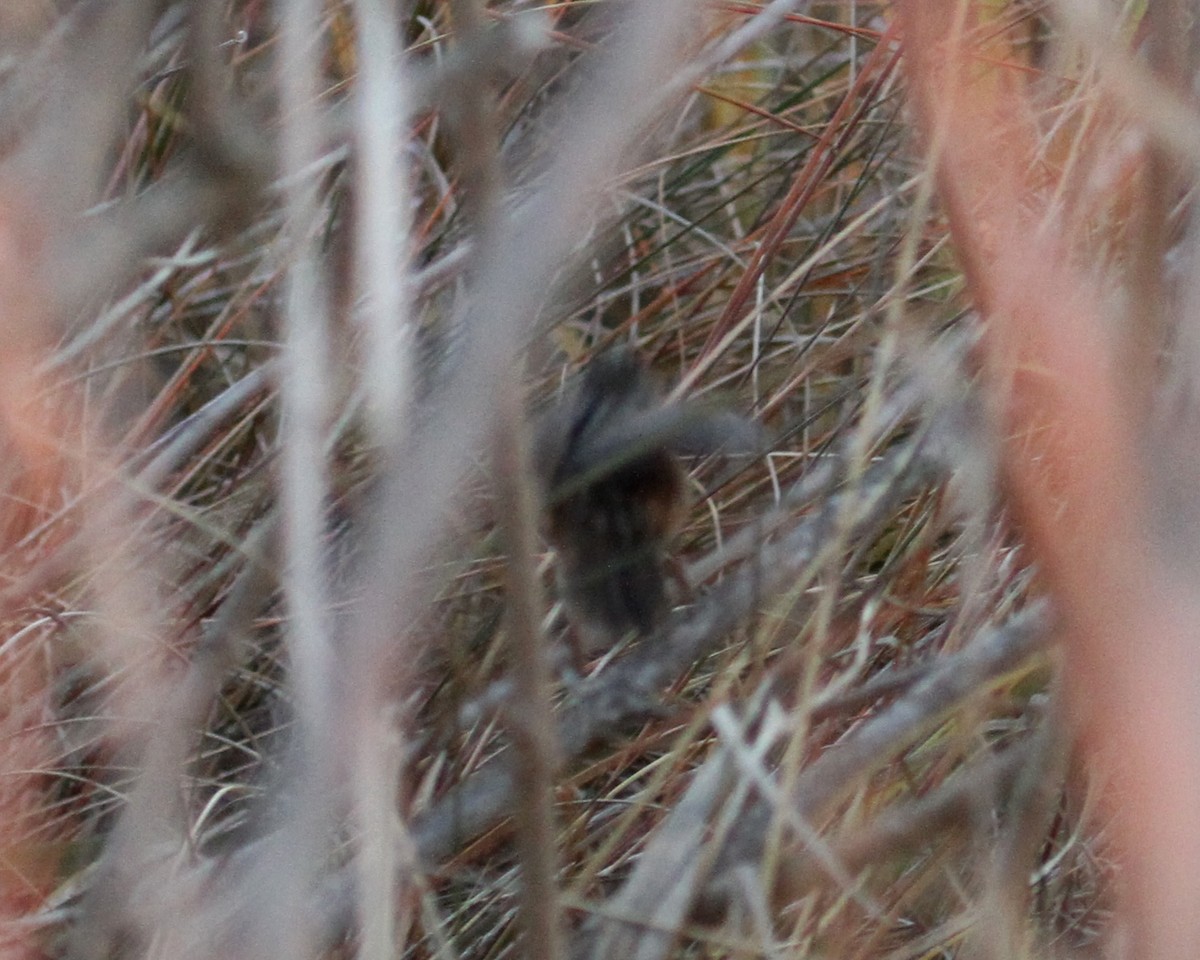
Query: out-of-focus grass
x=775 y=251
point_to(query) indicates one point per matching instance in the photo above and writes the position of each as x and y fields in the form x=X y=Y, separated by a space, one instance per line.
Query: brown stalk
x=528 y=715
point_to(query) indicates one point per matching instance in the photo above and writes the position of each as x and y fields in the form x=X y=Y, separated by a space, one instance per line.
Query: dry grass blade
x=278 y=672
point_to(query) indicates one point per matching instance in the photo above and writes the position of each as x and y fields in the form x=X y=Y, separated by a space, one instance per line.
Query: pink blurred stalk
x=1071 y=459
x=31 y=477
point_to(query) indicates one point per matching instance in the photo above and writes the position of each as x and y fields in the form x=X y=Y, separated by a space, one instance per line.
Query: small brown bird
x=616 y=492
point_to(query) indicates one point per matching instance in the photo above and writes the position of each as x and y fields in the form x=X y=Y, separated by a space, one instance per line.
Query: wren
x=615 y=493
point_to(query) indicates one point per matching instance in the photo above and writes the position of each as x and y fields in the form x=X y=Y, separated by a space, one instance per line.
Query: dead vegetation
x=282 y=287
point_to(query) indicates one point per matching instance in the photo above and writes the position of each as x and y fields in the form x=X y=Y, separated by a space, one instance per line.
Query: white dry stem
x=382 y=225
x=751 y=761
x=383 y=201
x=288 y=871
x=644 y=919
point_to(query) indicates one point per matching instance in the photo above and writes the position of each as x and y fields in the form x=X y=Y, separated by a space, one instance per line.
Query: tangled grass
x=283 y=664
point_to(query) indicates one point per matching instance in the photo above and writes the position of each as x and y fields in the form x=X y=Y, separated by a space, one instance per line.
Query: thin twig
x=992 y=655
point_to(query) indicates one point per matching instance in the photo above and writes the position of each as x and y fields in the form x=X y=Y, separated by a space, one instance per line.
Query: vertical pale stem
x=383 y=202
x=305 y=373
x=382 y=224
x=305 y=380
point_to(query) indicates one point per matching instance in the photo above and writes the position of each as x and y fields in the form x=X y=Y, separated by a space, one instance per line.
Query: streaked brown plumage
x=616 y=492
